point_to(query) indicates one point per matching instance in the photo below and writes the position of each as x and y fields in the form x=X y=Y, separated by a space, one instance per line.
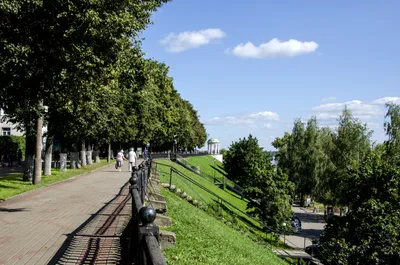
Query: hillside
x=228 y=213
x=202 y=239
x=206 y=164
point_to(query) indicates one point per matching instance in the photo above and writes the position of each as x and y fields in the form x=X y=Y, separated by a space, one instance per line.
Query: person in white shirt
x=131 y=159
x=120 y=158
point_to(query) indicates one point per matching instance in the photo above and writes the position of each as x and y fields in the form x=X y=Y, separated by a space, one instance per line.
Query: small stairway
x=157 y=201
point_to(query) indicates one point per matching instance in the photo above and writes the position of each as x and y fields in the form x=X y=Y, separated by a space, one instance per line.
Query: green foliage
x=245 y=162
x=269 y=199
x=392 y=128
x=13 y=142
x=315 y=159
x=268 y=190
x=369 y=233
x=82 y=59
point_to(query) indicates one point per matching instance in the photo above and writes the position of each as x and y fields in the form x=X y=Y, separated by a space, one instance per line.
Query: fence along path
x=296 y=254
x=218 y=181
x=240 y=191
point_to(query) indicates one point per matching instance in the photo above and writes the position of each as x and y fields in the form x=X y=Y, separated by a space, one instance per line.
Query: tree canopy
x=83 y=60
x=341 y=167
x=267 y=189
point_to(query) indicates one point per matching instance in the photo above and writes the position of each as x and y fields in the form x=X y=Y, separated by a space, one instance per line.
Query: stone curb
x=52 y=184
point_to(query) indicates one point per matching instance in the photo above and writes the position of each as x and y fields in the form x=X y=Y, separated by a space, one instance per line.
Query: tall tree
x=245 y=161
x=369 y=233
x=61 y=47
x=392 y=129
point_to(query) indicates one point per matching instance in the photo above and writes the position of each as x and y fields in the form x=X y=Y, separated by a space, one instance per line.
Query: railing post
x=170 y=177
x=134 y=251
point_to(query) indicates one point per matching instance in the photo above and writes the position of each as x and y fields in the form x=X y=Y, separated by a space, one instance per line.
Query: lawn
x=201 y=239
x=224 y=211
x=13 y=185
x=206 y=164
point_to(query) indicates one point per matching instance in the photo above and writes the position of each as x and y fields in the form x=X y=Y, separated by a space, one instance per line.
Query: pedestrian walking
x=131 y=159
x=120 y=159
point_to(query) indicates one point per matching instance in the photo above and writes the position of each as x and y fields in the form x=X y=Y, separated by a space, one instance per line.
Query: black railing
x=217 y=198
x=144 y=248
x=222 y=182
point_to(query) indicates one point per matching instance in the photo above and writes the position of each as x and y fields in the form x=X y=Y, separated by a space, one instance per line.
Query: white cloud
x=266 y=115
x=360 y=110
x=328 y=99
x=249 y=119
x=274 y=48
x=385 y=100
x=191 y=39
x=267 y=125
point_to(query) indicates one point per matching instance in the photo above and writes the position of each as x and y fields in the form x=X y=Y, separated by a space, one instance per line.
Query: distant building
x=8 y=128
x=214 y=148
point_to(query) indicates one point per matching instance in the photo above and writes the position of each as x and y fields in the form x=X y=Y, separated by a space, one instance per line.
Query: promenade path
x=312 y=227
x=77 y=221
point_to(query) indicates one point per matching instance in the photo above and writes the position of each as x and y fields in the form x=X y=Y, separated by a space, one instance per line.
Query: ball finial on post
x=147 y=215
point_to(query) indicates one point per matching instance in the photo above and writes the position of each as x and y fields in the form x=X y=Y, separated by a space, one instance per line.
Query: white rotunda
x=213 y=146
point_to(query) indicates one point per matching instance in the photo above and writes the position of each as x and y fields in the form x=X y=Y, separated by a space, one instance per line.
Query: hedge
x=13 y=142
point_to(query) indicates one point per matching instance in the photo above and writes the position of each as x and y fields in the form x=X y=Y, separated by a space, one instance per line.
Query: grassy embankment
x=13 y=185
x=224 y=212
x=201 y=239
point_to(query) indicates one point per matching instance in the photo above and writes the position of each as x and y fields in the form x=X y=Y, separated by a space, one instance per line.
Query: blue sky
x=254 y=66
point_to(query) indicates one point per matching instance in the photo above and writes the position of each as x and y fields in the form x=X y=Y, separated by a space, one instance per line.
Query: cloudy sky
x=254 y=66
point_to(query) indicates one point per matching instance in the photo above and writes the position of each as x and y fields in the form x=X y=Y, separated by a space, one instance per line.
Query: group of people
x=131 y=160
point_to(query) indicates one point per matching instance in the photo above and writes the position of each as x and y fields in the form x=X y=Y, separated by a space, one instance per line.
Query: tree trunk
x=29 y=155
x=48 y=155
x=96 y=154
x=109 y=153
x=37 y=178
x=83 y=154
x=89 y=154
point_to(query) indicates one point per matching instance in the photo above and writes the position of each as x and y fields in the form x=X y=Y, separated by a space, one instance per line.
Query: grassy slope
x=201 y=239
x=192 y=190
x=13 y=185
x=206 y=164
x=229 y=214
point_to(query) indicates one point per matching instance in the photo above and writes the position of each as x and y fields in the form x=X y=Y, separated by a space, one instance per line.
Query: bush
x=13 y=142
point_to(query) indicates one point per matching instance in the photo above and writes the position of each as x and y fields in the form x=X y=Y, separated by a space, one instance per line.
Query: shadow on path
x=12 y=210
x=82 y=246
x=310 y=218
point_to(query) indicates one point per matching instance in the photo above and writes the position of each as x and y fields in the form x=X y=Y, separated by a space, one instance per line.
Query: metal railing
x=224 y=181
x=196 y=184
x=144 y=248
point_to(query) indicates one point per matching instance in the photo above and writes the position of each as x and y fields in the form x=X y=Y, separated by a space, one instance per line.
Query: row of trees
x=343 y=167
x=79 y=67
x=316 y=159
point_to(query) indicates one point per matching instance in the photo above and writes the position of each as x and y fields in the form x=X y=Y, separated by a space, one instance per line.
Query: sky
x=252 y=67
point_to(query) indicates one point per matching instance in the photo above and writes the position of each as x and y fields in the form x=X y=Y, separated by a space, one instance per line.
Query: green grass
x=13 y=185
x=195 y=191
x=228 y=213
x=206 y=164
x=201 y=239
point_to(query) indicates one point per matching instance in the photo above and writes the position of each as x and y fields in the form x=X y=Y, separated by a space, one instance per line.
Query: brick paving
x=74 y=222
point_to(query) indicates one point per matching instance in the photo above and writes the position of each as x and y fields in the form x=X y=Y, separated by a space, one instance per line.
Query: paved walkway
x=312 y=227
x=53 y=225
